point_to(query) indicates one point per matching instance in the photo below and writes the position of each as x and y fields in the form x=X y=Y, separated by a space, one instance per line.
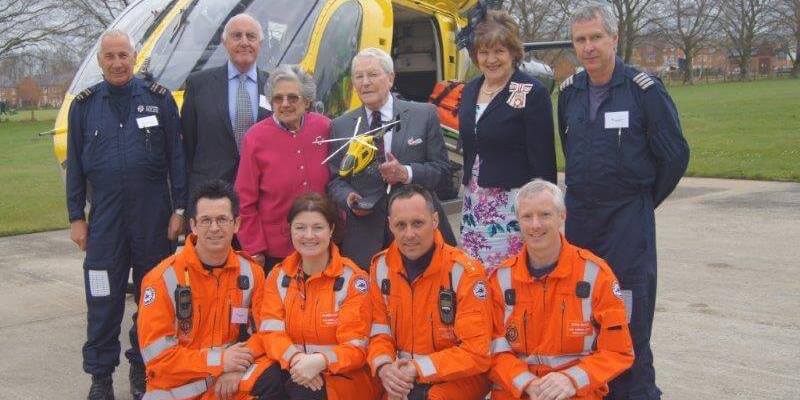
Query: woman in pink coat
x=279 y=162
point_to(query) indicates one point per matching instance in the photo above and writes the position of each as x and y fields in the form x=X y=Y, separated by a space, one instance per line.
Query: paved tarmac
x=727 y=319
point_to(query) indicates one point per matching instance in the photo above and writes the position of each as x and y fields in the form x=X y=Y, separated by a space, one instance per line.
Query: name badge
x=263 y=103
x=238 y=315
x=147 y=122
x=617 y=120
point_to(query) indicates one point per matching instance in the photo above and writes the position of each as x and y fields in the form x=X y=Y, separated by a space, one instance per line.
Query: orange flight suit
x=407 y=322
x=328 y=313
x=183 y=358
x=573 y=321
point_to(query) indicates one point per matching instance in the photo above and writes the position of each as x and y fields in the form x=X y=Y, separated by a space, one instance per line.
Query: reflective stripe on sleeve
x=360 y=343
x=590 y=271
x=154 y=349
x=272 y=325
x=291 y=351
x=324 y=349
x=380 y=360
x=171 y=282
x=456 y=272
x=550 y=361
x=214 y=357
x=378 y=329
x=246 y=270
x=522 y=379
x=347 y=273
x=426 y=367
x=579 y=375
x=500 y=345
x=504 y=279
x=187 y=391
x=381 y=274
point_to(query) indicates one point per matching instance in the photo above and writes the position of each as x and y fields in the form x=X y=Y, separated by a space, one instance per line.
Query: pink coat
x=275 y=167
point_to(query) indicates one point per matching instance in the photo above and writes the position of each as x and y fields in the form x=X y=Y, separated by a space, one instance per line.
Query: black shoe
x=102 y=388
x=136 y=375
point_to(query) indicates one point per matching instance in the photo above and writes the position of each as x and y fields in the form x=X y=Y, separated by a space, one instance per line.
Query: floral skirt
x=489 y=226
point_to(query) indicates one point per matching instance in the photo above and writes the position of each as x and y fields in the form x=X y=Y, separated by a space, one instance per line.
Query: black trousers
x=276 y=384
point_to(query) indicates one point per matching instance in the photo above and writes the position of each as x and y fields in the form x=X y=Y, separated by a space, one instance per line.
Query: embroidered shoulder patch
x=479 y=290
x=361 y=285
x=149 y=296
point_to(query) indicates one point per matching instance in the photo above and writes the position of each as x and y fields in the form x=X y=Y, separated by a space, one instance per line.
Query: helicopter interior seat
x=415 y=52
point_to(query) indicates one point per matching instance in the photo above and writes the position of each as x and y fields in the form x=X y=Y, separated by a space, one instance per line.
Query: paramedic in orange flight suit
x=316 y=315
x=560 y=329
x=431 y=328
x=194 y=314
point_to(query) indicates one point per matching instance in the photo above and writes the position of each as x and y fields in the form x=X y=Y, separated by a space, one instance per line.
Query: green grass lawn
x=31 y=189
x=748 y=130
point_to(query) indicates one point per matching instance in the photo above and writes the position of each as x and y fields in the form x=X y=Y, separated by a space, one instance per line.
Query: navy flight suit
x=134 y=178
x=615 y=179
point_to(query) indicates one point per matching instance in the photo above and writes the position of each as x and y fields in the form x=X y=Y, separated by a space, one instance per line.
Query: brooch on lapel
x=518 y=92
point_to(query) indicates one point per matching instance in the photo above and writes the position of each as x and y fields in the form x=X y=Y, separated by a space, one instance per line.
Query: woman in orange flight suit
x=316 y=315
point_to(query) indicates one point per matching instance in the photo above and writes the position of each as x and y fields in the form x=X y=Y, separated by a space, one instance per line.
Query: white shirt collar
x=233 y=72
x=387 y=111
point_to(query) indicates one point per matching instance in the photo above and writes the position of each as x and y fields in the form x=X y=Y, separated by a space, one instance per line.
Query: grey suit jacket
x=418 y=143
x=211 y=151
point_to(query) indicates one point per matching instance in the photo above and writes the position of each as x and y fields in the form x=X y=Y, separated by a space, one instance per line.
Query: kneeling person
x=195 y=310
x=431 y=330
x=560 y=326
x=316 y=315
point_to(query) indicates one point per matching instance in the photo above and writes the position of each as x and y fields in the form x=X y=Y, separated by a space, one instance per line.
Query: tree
x=30 y=93
x=542 y=20
x=634 y=17
x=786 y=18
x=26 y=24
x=743 y=21
x=689 y=25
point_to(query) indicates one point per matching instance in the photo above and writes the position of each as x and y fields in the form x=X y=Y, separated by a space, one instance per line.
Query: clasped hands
x=306 y=370
x=236 y=359
x=398 y=378
x=553 y=386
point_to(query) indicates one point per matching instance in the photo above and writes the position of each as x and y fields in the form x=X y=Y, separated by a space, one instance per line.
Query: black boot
x=136 y=375
x=102 y=388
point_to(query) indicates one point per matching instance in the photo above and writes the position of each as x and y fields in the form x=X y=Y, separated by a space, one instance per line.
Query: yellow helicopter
x=177 y=37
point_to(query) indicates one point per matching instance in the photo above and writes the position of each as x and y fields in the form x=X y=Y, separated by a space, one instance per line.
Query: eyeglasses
x=291 y=98
x=222 y=222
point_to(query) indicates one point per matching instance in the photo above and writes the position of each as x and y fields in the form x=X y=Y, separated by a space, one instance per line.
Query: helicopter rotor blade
x=556 y=44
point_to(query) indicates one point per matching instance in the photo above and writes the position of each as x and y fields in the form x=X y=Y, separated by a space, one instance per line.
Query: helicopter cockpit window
x=138 y=21
x=338 y=46
x=192 y=41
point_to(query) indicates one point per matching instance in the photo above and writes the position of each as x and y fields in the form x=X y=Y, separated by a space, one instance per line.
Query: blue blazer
x=516 y=144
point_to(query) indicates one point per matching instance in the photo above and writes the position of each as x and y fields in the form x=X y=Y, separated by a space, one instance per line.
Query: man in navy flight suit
x=625 y=153
x=124 y=151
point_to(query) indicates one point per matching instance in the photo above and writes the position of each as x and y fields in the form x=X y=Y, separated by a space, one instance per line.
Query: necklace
x=491 y=93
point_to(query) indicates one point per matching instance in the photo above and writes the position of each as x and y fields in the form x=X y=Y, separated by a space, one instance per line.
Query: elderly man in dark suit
x=411 y=152
x=220 y=104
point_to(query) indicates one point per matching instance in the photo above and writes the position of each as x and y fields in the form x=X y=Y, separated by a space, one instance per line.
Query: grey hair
x=117 y=33
x=537 y=186
x=383 y=59
x=237 y=17
x=293 y=73
x=592 y=10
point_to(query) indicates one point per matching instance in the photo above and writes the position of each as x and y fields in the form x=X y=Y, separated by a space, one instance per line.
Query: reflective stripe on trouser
x=186 y=391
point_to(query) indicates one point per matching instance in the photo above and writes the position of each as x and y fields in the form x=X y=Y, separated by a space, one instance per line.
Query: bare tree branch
x=689 y=25
x=743 y=21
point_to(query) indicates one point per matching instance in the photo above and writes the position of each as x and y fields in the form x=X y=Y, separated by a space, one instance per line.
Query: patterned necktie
x=244 y=112
x=375 y=124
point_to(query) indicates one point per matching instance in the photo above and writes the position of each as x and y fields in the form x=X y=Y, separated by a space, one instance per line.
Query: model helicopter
x=177 y=37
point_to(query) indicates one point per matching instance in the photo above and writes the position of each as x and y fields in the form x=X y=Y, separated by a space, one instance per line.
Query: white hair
x=592 y=10
x=537 y=186
x=237 y=17
x=112 y=33
x=383 y=59
x=293 y=73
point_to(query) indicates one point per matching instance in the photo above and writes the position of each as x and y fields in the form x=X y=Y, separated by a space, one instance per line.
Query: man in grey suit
x=220 y=104
x=411 y=152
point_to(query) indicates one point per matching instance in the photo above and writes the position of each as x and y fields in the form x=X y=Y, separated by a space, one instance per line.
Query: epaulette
x=158 y=89
x=643 y=80
x=82 y=96
x=567 y=83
